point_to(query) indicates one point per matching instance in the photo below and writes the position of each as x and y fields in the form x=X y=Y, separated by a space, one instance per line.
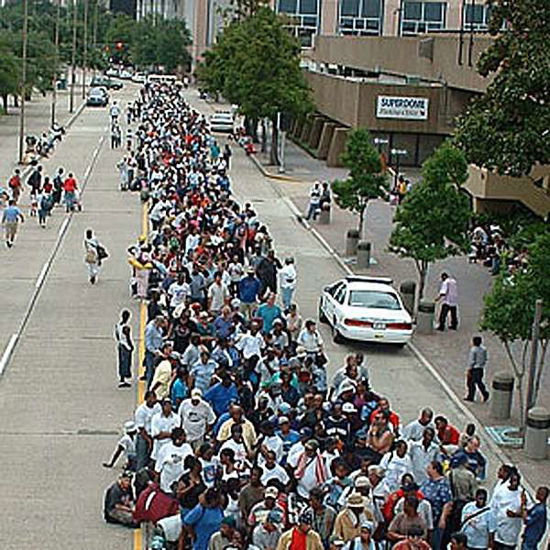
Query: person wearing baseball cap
x=268 y=533
x=302 y=536
x=126 y=445
x=364 y=541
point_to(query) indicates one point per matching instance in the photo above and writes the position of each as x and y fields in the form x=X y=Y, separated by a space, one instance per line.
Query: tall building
x=381 y=17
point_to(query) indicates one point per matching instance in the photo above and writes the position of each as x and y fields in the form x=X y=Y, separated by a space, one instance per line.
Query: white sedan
x=367 y=309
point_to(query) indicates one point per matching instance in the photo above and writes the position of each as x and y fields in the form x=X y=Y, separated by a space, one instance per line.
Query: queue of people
x=242 y=440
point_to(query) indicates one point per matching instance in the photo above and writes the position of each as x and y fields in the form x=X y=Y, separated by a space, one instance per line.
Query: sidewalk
x=447 y=351
x=37 y=121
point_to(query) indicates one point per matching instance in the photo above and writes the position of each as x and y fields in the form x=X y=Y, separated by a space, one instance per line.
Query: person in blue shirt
x=204 y=519
x=179 y=390
x=535 y=520
x=249 y=292
x=202 y=371
x=11 y=216
x=223 y=324
x=220 y=395
x=268 y=312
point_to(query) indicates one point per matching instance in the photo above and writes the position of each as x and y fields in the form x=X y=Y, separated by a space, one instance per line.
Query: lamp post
x=23 y=84
x=85 y=49
x=73 y=59
x=397 y=153
x=56 y=44
x=379 y=142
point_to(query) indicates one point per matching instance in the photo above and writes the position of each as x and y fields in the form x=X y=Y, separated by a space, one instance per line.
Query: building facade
x=381 y=17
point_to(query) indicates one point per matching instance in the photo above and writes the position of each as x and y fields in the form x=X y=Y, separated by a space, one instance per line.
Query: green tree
x=509 y=311
x=506 y=128
x=256 y=65
x=9 y=73
x=432 y=221
x=366 y=179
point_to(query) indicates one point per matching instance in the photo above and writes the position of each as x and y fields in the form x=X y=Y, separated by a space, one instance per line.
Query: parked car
x=139 y=78
x=112 y=71
x=125 y=74
x=222 y=121
x=97 y=97
x=106 y=82
x=367 y=309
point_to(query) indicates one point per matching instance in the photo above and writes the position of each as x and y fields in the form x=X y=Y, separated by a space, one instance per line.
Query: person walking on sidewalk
x=288 y=282
x=70 y=187
x=477 y=360
x=448 y=296
x=94 y=254
x=10 y=218
x=14 y=185
x=314 y=201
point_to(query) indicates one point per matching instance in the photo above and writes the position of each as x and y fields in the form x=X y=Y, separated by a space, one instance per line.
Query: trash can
x=501 y=398
x=408 y=292
x=536 y=433
x=352 y=239
x=425 y=317
x=324 y=215
x=363 y=254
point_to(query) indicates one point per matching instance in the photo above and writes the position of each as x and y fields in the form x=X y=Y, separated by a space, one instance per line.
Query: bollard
x=501 y=398
x=425 y=318
x=324 y=215
x=363 y=254
x=408 y=292
x=352 y=239
x=536 y=433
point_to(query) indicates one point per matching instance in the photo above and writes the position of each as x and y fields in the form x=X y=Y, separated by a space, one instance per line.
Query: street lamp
x=397 y=153
x=23 y=83
x=379 y=142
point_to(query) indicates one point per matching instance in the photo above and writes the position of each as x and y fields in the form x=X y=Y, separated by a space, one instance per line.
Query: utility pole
x=85 y=49
x=73 y=60
x=94 y=32
x=535 y=333
x=56 y=44
x=23 y=84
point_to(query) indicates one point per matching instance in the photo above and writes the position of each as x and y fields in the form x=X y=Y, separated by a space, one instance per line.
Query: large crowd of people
x=243 y=440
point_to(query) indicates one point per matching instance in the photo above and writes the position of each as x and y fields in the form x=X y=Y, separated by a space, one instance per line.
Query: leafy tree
x=366 y=179
x=432 y=221
x=506 y=128
x=509 y=311
x=9 y=73
x=256 y=65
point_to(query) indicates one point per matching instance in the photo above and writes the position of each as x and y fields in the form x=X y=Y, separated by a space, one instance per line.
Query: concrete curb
x=487 y=440
x=270 y=175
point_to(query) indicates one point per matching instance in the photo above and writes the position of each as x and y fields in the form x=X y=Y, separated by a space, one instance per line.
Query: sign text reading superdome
x=408 y=108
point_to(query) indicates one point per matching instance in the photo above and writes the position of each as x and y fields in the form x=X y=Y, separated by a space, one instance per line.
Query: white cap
x=196 y=392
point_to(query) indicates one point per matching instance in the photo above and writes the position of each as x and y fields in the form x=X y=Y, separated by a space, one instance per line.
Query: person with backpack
x=45 y=204
x=94 y=254
x=14 y=184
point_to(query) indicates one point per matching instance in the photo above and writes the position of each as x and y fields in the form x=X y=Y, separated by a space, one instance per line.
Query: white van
x=165 y=78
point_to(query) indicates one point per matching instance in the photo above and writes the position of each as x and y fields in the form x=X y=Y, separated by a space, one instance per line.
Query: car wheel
x=337 y=338
x=321 y=315
x=400 y=345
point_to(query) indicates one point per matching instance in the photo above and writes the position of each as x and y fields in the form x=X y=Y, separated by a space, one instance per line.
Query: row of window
x=365 y=17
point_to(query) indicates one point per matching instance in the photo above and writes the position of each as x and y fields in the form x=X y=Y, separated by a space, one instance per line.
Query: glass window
x=433 y=11
x=349 y=8
x=371 y=8
x=475 y=13
x=341 y=294
x=413 y=10
x=287 y=6
x=308 y=6
x=373 y=299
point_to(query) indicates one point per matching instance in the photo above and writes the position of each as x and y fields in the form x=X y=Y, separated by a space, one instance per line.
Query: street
x=60 y=408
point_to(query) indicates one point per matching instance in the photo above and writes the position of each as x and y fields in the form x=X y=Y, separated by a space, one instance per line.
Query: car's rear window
x=374 y=299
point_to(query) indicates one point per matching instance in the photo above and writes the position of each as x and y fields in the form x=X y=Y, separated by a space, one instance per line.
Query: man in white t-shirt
x=162 y=425
x=143 y=416
x=179 y=291
x=171 y=459
x=218 y=294
x=448 y=296
x=197 y=417
x=507 y=511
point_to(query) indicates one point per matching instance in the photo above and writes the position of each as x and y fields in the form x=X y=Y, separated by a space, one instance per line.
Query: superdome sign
x=408 y=108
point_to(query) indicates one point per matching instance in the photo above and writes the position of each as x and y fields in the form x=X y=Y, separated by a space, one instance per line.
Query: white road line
x=7 y=352
x=40 y=279
x=63 y=227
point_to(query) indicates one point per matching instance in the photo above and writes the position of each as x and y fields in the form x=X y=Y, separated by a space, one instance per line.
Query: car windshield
x=374 y=299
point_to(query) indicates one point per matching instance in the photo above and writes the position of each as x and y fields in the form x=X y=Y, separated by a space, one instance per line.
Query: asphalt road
x=60 y=409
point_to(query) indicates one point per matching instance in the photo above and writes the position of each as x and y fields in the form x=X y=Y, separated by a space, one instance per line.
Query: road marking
x=138 y=543
x=63 y=227
x=7 y=352
x=40 y=279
